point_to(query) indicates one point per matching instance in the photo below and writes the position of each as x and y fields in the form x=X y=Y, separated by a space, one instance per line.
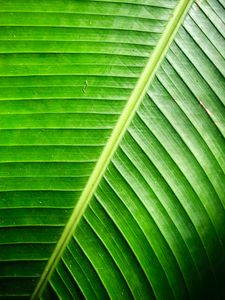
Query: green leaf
x=112 y=149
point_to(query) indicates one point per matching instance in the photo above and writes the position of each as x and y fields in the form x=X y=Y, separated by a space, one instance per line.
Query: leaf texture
x=155 y=226
x=67 y=69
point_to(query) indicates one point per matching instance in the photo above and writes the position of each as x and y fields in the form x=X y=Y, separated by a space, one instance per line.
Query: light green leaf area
x=112 y=149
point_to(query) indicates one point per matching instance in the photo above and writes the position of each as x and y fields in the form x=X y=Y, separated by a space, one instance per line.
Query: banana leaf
x=112 y=160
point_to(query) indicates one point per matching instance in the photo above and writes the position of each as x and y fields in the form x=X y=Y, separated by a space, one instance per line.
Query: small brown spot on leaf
x=85 y=86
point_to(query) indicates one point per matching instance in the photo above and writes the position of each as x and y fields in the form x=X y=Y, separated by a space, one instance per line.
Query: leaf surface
x=112 y=149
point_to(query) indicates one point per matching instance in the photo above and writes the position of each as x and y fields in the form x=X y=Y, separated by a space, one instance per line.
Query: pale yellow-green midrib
x=116 y=136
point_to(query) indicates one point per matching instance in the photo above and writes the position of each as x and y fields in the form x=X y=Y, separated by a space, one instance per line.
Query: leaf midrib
x=118 y=132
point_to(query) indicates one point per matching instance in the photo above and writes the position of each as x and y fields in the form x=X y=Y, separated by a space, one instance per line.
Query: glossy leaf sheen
x=151 y=224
